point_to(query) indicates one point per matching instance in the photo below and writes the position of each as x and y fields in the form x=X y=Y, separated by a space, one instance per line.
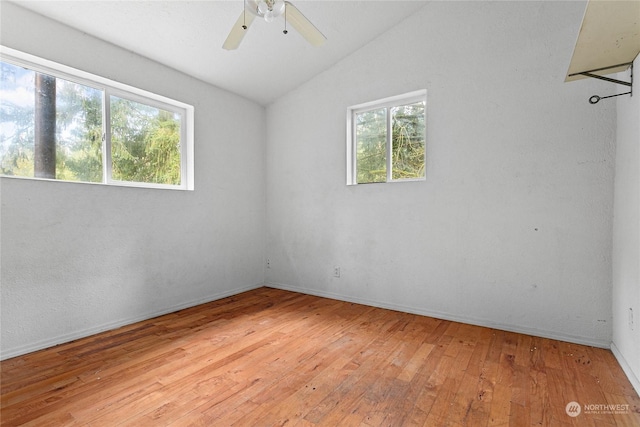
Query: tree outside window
x=52 y=127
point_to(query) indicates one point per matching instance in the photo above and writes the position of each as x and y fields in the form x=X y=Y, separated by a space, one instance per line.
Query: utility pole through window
x=45 y=127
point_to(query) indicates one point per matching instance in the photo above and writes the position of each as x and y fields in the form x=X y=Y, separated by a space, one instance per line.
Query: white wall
x=626 y=234
x=512 y=227
x=80 y=258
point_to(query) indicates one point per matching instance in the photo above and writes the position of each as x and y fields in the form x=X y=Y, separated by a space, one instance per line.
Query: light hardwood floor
x=271 y=358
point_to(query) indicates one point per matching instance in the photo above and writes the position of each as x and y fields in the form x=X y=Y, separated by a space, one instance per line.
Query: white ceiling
x=188 y=36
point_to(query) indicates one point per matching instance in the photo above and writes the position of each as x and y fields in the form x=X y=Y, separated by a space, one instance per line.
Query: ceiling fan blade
x=237 y=31
x=303 y=25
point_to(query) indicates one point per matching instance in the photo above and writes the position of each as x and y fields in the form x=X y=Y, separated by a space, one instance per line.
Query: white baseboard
x=448 y=316
x=31 y=347
x=61 y=339
x=633 y=379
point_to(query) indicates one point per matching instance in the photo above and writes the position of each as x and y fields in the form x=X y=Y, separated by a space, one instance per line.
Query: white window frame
x=388 y=103
x=112 y=88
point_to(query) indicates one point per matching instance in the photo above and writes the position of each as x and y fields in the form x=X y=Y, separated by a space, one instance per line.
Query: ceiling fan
x=270 y=10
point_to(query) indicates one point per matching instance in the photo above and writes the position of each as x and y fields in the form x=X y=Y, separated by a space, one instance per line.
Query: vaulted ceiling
x=188 y=36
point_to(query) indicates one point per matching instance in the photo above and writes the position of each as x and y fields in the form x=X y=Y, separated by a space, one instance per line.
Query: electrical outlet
x=336 y=271
x=268 y=263
x=631 y=318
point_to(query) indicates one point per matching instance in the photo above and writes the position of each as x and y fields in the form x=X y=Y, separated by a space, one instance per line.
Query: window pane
x=371 y=137
x=408 y=133
x=79 y=132
x=49 y=127
x=17 y=105
x=145 y=143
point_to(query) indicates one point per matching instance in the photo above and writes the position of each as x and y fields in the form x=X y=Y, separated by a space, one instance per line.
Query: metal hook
x=595 y=98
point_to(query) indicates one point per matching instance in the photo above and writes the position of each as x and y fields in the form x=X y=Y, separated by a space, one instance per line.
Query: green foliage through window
x=145 y=140
x=408 y=130
x=145 y=143
x=371 y=137
x=389 y=142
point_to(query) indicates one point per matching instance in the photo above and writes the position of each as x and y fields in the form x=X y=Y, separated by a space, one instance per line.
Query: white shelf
x=609 y=36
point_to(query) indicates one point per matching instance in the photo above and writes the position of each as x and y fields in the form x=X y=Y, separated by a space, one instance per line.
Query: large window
x=60 y=123
x=386 y=140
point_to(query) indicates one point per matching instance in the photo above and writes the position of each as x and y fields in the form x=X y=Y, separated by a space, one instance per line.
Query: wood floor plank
x=367 y=364
x=540 y=405
x=468 y=403
x=422 y=390
x=269 y=357
x=312 y=384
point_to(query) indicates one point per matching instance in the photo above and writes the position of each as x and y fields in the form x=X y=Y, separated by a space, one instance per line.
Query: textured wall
x=626 y=234
x=512 y=227
x=80 y=258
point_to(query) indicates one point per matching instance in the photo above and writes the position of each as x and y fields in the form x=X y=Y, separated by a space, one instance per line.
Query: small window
x=64 y=124
x=386 y=140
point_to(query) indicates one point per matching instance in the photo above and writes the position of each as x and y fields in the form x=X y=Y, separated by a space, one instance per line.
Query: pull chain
x=244 y=16
x=285 y=19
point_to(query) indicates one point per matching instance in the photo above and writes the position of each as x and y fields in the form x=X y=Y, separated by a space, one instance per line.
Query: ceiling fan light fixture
x=263 y=7
x=270 y=10
x=279 y=7
x=267 y=9
x=269 y=16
